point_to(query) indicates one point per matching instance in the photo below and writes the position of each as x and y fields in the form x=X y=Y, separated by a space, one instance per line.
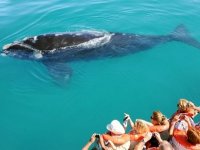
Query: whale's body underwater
x=55 y=50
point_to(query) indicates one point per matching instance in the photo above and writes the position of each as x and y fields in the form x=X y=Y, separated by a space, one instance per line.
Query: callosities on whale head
x=18 y=50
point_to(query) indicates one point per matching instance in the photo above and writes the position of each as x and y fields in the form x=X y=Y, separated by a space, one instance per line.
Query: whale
x=57 y=50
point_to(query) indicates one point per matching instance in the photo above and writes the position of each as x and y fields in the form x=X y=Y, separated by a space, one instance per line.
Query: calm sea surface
x=37 y=114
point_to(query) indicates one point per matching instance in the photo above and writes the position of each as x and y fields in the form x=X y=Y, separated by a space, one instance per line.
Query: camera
x=97 y=136
x=125 y=118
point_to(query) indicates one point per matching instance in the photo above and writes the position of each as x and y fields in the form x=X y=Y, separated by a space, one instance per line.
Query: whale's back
x=56 y=41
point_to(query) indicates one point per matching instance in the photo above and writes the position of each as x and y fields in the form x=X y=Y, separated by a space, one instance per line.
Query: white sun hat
x=115 y=127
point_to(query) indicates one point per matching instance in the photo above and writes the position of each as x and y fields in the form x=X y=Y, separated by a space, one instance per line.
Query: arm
x=176 y=115
x=196 y=108
x=144 y=121
x=142 y=143
x=116 y=140
x=172 y=125
x=187 y=119
x=193 y=109
x=101 y=140
x=131 y=123
x=112 y=145
x=163 y=144
x=89 y=143
x=126 y=120
x=157 y=135
x=136 y=137
x=171 y=130
x=104 y=147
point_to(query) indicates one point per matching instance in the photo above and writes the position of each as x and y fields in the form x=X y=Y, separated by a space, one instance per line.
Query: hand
x=176 y=118
x=126 y=116
x=147 y=137
x=173 y=122
x=191 y=104
x=93 y=137
x=181 y=117
x=187 y=118
x=157 y=135
x=112 y=144
x=126 y=119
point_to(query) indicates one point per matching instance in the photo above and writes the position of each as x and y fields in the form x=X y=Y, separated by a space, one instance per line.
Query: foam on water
x=97 y=42
x=3 y=54
x=34 y=39
x=6 y=46
x=37 y=54
x=25 y=38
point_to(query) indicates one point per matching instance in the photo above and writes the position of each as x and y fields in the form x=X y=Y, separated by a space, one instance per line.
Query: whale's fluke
x=181 y=34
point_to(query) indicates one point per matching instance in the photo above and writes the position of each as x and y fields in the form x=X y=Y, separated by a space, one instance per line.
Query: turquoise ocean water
x=36 y=114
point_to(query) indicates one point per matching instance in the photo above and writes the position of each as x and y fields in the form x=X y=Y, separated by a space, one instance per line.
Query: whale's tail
x=181 y=34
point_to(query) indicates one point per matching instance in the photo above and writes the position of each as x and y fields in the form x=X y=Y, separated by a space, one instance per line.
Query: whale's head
x=21 y=51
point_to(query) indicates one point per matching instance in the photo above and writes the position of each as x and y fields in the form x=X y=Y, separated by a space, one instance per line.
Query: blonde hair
x=193 y=135
x=159 y=117
x=141 y=127
x=184 y=105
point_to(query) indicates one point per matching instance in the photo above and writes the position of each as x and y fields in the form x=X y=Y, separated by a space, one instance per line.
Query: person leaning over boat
x=138 y=130
x=187 y=108
x=183 y=133
x=160 y=124
x=98 y=139
x=163 y=144
x=115 y=136
x=114 y=139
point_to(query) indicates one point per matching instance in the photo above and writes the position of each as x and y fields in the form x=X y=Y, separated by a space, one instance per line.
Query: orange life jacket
x=119 y=140
x=180 y=140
